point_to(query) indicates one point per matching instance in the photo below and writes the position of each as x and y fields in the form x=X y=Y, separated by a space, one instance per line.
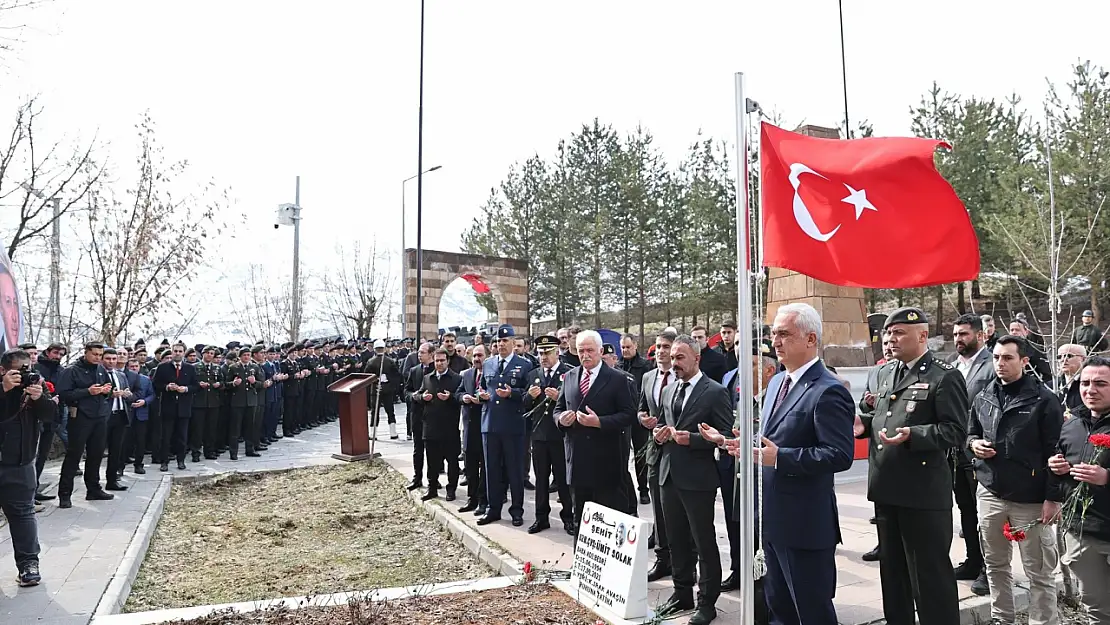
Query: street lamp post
x=290 y=215
x=405 y=265
x=420 y=184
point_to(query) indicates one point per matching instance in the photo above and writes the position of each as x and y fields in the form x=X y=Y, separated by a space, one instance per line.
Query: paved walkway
x=82 y=546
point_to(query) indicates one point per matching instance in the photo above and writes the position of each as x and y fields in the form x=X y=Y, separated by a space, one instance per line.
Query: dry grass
x=309 y=531
x=533 y=604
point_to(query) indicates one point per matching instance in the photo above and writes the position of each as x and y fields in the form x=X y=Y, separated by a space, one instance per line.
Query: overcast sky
x=254 y=93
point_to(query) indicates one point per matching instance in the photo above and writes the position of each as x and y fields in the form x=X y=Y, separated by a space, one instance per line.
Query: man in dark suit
x=176 y=383
x=441 y=424
x=473 y=397
x=688 y=478
x=548 y=452
x=807 y=437
x=974 y=361
x=414 y=381
x=919 y=417
x=650 y=411
x=124 y=388
x=506 y=379
x=594 y=407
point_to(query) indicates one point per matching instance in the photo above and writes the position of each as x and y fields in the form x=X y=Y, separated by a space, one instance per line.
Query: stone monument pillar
x=845 y=336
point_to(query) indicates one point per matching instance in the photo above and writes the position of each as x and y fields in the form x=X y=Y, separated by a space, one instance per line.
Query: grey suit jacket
x=648 y=404
x=981 y=374
x=693 y=467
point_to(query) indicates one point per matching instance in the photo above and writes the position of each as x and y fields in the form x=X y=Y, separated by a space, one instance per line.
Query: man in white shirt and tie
x=118 y=420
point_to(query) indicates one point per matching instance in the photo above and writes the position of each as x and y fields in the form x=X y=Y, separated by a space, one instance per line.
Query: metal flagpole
x=744 y=339
x=843 y=69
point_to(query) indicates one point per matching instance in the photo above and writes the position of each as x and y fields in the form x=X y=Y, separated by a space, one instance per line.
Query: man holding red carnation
x=1080 y=467
x=1013 y=430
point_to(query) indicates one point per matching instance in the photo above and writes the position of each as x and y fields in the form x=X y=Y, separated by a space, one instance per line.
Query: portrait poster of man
x=11 y=307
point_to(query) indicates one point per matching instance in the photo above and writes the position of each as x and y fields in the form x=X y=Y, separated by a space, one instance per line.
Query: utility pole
x=295 y=330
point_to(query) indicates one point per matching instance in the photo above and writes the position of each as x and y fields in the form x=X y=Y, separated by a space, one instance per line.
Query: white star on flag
x=859 y=200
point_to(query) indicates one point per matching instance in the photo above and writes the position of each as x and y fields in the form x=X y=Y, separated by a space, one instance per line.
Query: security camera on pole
x=290 y=215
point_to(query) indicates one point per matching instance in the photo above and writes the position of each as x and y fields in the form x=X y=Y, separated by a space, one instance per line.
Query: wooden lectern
x=354 y=420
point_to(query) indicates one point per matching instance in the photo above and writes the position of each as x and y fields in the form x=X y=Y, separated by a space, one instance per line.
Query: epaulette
x=944 y=365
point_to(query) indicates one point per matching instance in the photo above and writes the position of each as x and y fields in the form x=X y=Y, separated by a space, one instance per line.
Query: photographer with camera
x=24 y=408
x=86 y=391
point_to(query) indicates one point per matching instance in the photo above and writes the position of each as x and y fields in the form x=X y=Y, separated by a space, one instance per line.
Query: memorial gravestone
x=610 y=562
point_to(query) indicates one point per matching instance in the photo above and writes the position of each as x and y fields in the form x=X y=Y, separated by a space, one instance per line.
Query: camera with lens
x=28 y=376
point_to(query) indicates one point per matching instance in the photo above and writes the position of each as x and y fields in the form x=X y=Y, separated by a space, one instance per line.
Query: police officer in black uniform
x=548 y=453
x=920 y=411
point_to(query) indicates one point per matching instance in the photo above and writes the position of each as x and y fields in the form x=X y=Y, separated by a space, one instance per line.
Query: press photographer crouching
x=24 y=407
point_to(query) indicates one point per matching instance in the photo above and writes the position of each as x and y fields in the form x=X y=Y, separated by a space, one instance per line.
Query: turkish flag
x=871 y=213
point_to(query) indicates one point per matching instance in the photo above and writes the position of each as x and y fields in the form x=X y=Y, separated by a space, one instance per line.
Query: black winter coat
x=1025 y=430
x=19 y=426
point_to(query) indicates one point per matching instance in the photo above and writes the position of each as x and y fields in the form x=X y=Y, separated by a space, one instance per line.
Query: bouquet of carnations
x=1077 y=502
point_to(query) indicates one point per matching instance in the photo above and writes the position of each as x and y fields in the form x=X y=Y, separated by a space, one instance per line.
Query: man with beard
x=473 y=397
x=973 y=360
x=49 y=366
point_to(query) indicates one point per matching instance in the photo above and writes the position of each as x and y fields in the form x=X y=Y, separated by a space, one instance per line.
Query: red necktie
x=584 y=383
x=666 y=374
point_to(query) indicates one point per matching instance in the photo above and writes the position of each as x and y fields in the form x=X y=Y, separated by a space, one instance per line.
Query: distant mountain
x=459 y=307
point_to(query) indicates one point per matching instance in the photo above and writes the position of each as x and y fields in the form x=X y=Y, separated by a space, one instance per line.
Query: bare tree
x=13 y=14
x=145 y=244
x=262 y=308
x=357 y=293
x=33 y=176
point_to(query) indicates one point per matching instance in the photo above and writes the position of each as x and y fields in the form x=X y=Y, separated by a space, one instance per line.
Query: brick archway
x=507 y=279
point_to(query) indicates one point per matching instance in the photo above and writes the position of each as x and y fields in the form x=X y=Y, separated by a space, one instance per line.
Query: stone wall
x=507 y=279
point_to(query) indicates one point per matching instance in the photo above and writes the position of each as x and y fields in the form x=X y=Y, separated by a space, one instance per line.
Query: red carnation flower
x=1101 y=441
x=1011 y=534
x=50 y=389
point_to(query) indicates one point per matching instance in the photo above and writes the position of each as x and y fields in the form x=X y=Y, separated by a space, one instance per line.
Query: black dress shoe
x=234 y=456
x=968 y=571
x=981 y=586
x=571 y=529
x=261 y=447
x=732 y=582
x=181 y=465
x=43 y=497
x=64 y=502
x=645 y=499
x=99 y=495
x=450 y=494
x=661 y=570
x=430 y=495
x=415 y=485
x=139 y=470
x=196 y=457
x=679 y=602
x=480 y=511
x=253 y=454
x=873 y=521
x=165 y=466
x=518 y=521
x=210 y=457
x=469 y=507
x=486 y=520
x=704 y=616
x=871 y=556
x=115 y=486
x=528 y=485
x=539 y=526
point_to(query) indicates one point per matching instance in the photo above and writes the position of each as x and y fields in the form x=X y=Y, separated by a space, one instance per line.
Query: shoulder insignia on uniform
x=944 y=365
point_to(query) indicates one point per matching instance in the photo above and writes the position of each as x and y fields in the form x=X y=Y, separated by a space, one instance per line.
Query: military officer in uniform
x=548 y=454
x=503 y=428
x=206 y=407
x=244 y=380
x=920 y=409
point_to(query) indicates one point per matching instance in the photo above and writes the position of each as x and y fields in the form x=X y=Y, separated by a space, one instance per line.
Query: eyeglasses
x=1066 y=356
